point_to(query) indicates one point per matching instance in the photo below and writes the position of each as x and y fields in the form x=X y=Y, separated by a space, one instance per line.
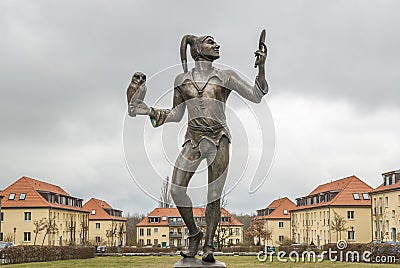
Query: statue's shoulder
x=180 y=78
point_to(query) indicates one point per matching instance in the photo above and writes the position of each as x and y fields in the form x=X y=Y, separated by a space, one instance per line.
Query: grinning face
x=209 y=49
x=138 y=78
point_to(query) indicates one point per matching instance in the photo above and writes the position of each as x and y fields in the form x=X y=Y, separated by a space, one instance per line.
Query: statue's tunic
x=205 y=102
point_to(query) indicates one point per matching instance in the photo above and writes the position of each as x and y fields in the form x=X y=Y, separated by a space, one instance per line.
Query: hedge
x=22 y=254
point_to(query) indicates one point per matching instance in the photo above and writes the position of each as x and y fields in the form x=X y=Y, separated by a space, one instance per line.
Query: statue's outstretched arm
x=175 y=114
x=254 y=92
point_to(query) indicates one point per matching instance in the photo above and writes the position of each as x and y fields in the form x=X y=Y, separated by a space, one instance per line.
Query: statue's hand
x=138 y=107
x=261 y=56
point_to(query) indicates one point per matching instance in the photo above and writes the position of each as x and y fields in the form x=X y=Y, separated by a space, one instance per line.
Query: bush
x=232 y=249
x=138 y=250
x=22 y=254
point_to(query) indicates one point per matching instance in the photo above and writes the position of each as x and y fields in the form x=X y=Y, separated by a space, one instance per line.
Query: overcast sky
x=332 y=69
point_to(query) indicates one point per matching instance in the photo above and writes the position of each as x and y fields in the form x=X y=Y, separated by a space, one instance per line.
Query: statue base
x=196 y=263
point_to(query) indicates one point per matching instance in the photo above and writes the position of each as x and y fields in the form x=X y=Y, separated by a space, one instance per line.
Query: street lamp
x=1 y=218
x=352 y=233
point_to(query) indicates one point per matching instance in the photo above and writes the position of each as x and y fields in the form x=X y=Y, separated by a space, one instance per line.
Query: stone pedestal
x=196 y=263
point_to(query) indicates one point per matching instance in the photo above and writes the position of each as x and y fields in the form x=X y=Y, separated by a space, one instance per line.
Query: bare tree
x=50 y=228
x=165 y=197
x=40 y=225
x=131 y=221
x=84 y=229
x=257 y=230
x=338 y=225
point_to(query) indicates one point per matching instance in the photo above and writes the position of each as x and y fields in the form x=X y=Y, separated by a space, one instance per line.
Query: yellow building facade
x=164 y=227
x=36 y=212
x=106 y=224
x=339 y=210
x=276 y=218
x=385 y=208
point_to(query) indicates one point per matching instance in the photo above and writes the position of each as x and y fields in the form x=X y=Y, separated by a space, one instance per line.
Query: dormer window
x=366 y=196
x=22 y=196
x=285 y=212
x=11 y=197
x=356 y=196
x=93 y=212
x=164 y=218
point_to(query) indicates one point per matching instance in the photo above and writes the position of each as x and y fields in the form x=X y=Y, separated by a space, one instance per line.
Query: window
x=356 y=196
x=280 y=224
x=230 y=231
x=141 y=242
x=285 y=212
x=148 y=242
x=164 y=235
x=237 y=231
x=22 y=196
x=155 y=242
x=365 y=196
x=154 y=219
x=97 y=225
x=350 y=215
x=11 y=197
x=281 y=238
x=230 y=242
x=156 y=232
x=27 y=236
x=164 y=218
x=386 y=201
x=1 y=236
x=98 y=239
x=148 y=231
x=93 y=212
x=350 y=235
x=393 y=213
x=2 y=218
x=27 y=216
x=237 y=241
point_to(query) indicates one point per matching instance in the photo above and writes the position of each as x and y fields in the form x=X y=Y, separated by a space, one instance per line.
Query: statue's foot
x=194 y=242
x=208 y=254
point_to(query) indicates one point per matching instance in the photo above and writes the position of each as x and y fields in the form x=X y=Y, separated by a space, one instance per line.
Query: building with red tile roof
x=106 y=224
x=315 y=214
x=385 y=208
x=28 y=200
x=165 y=227
x=277 y=221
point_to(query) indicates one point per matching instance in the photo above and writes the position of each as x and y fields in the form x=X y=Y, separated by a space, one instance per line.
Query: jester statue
x=203 y=91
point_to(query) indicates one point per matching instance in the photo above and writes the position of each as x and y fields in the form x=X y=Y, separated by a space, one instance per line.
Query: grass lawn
x=168 y=262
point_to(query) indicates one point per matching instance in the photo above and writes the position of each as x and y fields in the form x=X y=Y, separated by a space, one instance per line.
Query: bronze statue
x=203 y=91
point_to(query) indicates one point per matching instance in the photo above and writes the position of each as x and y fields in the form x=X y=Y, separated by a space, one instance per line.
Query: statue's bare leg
x=217 y=172
x=185 y=167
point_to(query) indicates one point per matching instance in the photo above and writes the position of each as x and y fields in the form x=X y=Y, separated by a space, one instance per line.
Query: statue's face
x=210 y=49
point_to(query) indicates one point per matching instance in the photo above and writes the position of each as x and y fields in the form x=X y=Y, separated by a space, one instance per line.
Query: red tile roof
x=384 y=188
x=279 y=205
x=32 y=187
x=173 y=212
x=99 y=206
x=345 y=187
x=390 y=187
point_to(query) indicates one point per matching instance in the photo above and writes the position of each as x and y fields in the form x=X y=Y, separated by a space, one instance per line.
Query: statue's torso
x=205 y=101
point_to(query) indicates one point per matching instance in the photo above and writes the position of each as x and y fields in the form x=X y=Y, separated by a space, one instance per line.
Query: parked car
x=101 y=249
x=4 y=245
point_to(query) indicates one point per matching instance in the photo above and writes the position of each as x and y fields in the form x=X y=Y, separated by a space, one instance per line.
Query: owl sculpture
x=136 y=92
